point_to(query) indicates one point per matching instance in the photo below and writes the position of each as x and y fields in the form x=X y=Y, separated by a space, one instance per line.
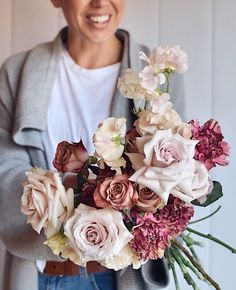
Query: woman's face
x=93 y=20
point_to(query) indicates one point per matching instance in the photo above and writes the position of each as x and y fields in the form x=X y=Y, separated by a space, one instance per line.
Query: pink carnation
x=211 y=149
x=153 y=233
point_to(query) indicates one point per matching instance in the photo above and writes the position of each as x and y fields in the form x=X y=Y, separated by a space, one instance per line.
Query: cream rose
x=45 y=201
x=165 y=160
x=95 y=234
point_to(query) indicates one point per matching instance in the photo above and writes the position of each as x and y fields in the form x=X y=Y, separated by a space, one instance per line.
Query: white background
x=206 y=30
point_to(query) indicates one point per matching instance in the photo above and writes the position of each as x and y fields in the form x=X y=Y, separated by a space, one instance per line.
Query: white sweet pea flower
x=184 y=129
x=165 y=160
x=109 y=139
x=151 y=78
x=96 y=235
x=168 y=58
x=125 y=258
x=160 y=104
x=149 y=122
x=130 y=86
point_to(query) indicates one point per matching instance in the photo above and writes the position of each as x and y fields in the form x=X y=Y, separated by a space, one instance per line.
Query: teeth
x=99 y=19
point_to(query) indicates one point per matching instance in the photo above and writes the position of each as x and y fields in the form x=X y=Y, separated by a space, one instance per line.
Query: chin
x=100 y=37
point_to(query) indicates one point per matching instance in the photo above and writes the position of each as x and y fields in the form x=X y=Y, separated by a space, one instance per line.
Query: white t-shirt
x=81 y=99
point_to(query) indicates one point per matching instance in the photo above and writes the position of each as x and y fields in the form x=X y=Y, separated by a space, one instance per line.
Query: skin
x=92 y=43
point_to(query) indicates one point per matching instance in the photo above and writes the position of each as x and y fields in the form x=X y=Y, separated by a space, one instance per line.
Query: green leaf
x=212 y=197
x=81 y=178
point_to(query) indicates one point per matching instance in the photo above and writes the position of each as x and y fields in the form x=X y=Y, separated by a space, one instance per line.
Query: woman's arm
x=18 y=237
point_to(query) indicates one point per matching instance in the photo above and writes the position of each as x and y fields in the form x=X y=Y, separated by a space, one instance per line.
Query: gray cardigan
x=26 y=81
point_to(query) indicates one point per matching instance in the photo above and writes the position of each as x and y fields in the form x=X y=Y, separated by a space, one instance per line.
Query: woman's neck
x=88 y=54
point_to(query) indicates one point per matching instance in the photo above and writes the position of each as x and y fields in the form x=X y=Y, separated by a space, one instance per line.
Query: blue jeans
x=83 y=281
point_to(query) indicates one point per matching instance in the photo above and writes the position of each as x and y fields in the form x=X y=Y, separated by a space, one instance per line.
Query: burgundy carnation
x=175 y=216
x=87 y=193
x=211 y=149
x=153 y=233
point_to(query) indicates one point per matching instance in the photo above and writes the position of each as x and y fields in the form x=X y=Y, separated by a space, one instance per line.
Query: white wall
x=205 y=29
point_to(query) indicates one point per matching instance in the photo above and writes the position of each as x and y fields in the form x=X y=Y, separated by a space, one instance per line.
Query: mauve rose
x=70 y=157
x=95 y=234
x=149 y=200
x=118 y=192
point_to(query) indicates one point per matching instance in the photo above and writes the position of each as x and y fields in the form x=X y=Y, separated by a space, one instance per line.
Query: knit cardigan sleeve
x=18 y=237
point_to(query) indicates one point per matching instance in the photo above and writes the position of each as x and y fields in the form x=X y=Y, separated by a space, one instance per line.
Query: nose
x=99 y=3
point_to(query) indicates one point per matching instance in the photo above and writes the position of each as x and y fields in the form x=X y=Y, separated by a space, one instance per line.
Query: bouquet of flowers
x=135 y=196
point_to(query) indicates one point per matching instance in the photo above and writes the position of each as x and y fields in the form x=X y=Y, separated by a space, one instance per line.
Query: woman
x=61 y=91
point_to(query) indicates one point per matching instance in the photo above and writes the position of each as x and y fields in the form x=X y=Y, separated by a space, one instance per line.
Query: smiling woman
x=67 y=87
x=91 y=30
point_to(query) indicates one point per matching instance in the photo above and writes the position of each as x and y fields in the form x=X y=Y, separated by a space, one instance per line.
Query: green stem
x=186 y=275
x=167 y=83
x=196 y=265
x=189 y=265
x=206 y=217
x=171 y=265
x=190 y=243
x=210 y=237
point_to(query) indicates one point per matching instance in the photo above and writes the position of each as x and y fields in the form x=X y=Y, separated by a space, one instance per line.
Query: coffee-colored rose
x=149 y=200
x=118 y=192
x=45 y=201
x=70 y=157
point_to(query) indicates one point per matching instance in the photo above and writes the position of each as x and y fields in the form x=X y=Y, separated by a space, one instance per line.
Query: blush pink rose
x=70 y=157
x=165 y=160
x=45 y=201
x=95 y=234
x=118 y=192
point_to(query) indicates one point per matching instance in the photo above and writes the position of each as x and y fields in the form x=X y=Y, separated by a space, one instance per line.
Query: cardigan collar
x=38 y=76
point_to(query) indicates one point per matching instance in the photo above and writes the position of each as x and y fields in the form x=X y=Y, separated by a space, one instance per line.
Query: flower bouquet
x=135 y=197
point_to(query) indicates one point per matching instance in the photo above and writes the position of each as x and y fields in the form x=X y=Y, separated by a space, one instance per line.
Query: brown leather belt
x=69 y=268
